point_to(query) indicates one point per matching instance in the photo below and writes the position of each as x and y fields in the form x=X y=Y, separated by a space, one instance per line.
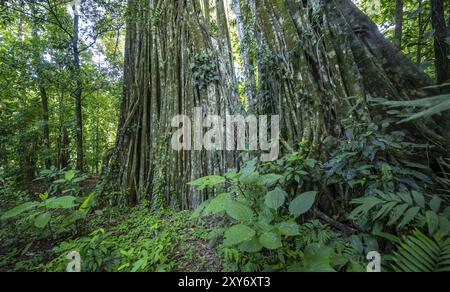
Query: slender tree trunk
x=63 y=135
x=399 y=24
x=420 y=34
x=245 y=46
x=207 y=13
x=44 y=97
x=78 y=90
x=441 y=47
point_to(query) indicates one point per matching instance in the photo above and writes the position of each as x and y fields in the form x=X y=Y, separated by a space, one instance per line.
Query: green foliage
x=264 y=233
x=145 y=242
x=402 y=209
x=302 y=204
x=205 y=70
x=62 y=182
x=419 y=253
x=41 y=212
x=424 y=108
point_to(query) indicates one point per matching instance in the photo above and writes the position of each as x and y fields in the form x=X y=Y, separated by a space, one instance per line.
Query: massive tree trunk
x=310 y=56
x=168 y=43
x=322 y=52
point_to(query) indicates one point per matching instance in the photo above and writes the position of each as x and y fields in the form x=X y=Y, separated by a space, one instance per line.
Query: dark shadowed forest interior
x=119 y=151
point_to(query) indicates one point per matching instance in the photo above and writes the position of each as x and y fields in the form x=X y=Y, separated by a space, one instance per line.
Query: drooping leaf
x=19 y=210
x=410 y=215
x=66 y=202
x=42 y=220
x=68 y=177
x=238 y=234
x=217 y=205
x=238 y=211
x=271 y=240
x=88 y=203
x=302 y=204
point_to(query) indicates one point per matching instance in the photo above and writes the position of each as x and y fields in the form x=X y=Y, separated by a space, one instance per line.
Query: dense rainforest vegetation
x=88 y=94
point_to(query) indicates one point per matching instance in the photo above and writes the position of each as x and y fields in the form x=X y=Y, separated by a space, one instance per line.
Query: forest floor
x=118 y=239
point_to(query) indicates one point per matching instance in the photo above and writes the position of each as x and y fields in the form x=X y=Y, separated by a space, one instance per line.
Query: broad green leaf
x=435 y=204
x=444 y=226
x=68 y=177
x=276 y=198
x=409 y=217
x=66 y=202
x=217 y=205
x=251 y=246
x=19 y=210
x=302 y=204
x=397 y=213
x=317 y=258
x=289 y=228
x=73 y=217
x=270 y=179
x=88 y=203
x=238 y=234
x=432 y=221
x=208 y=181
x=271 y=240
x=266 y=215
x=419 y=199
x=238 y=211
x=199 y=210
x=42 y=220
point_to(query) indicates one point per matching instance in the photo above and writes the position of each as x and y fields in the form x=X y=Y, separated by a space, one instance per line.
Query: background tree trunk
x=78 y=90
x=37 y=63
x=441 y=46
x=399 y=24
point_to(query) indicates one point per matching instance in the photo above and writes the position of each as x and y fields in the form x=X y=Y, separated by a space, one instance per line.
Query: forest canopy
x=225 y=135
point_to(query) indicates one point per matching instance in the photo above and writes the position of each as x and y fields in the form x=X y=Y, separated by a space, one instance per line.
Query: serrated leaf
x=270 y=240
x=238 y=234
x=276 y=198
x=289 y=228
x=208 y=181
x=217 y=205
x=251 y=246
x=238 y=211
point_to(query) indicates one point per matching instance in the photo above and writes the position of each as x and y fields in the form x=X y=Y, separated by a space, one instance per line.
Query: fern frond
x=419 y=253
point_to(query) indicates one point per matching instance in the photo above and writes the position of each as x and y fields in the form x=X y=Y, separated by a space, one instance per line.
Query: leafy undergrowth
x=141 y=241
